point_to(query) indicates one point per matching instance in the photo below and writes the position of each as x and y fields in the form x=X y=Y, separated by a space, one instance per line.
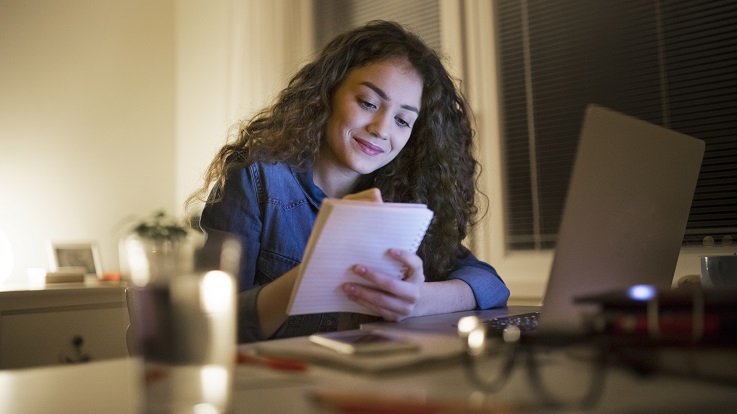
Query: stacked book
x=689 y=331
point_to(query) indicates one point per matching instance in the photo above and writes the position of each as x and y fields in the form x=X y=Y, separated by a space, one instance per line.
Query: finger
x=387 y=306
x=413 y=264
x=385 y=293
x=372 y=194
x=392 y=285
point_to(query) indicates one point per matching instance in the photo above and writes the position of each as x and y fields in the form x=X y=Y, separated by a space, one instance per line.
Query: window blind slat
x=669 y=62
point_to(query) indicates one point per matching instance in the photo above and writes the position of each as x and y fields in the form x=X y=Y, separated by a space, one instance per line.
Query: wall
x=110 y=109
x=202 y=88
x=233 y=57
x=87 y=121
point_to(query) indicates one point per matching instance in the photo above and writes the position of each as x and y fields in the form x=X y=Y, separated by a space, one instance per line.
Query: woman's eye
x=366 y=104
x=403 y=123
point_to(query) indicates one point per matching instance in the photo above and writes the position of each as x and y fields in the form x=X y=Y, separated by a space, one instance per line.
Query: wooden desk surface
x=111 y=387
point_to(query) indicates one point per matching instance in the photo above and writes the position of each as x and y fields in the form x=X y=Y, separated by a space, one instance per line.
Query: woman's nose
x=380 y=126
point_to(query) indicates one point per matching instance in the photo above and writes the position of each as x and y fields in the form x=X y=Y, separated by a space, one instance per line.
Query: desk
x=107 y=386
x=61 y=323
x=110 y=387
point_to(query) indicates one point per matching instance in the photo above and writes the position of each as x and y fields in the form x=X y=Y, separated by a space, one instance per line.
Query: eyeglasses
x=555 y=365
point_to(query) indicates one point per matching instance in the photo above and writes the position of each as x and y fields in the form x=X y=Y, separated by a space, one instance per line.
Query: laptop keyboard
x=525 y=321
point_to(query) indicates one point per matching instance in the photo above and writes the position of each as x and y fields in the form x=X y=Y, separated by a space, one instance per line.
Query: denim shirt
x=272 y=208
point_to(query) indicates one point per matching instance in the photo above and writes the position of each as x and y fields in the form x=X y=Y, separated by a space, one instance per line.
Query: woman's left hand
x=392 y=298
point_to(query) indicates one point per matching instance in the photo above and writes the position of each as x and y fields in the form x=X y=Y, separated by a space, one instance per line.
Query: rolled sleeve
x=249 y=329
x=488 y=288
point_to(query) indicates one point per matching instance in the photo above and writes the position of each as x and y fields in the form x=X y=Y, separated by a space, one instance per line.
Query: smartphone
x=362 y=343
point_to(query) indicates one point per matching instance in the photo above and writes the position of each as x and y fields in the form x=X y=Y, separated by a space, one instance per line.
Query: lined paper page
x=348 y=233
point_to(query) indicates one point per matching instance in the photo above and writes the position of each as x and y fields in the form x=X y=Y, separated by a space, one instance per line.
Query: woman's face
x=373 y=112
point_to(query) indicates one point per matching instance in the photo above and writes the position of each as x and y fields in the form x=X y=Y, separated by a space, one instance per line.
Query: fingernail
x=359 y=269
x=349 y=288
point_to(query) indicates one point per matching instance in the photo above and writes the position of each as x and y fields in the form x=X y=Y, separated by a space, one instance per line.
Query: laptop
x=625 y=215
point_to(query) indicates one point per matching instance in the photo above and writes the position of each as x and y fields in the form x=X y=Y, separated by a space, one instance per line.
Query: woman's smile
x=367 y=147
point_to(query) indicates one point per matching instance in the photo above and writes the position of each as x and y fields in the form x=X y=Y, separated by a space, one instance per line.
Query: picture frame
x=79 y=254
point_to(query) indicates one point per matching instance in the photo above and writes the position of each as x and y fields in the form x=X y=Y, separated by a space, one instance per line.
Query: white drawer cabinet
x=62 y=325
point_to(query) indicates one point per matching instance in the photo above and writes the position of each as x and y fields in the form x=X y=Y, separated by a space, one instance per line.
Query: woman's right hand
x=391 y=298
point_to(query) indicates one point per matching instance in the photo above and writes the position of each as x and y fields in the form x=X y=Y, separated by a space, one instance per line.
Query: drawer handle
x=79 y=356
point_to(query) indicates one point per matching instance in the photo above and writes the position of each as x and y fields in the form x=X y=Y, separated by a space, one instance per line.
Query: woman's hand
x=392 y=298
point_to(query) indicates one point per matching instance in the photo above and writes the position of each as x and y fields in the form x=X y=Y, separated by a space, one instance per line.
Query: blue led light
x=641 y=292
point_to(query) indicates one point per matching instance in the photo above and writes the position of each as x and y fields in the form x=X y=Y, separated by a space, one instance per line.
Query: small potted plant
x=155 y=248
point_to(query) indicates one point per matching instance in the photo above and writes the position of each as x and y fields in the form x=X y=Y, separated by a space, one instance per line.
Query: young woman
x=376 y=117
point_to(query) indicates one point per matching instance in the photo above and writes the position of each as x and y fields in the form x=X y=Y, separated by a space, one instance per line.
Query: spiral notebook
x=349 y=232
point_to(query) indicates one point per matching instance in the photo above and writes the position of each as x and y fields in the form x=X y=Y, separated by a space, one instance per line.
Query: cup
x=719 y=271
x=183 y=318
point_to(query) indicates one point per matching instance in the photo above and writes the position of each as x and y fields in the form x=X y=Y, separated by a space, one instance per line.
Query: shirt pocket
x=271 y=266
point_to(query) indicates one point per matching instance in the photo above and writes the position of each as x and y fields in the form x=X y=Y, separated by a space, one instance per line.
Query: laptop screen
x=625 y=215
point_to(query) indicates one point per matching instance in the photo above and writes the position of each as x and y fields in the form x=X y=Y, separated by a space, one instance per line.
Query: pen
x=281 y=364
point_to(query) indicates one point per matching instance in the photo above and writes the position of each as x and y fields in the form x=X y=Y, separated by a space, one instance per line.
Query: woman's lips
x=368 y=148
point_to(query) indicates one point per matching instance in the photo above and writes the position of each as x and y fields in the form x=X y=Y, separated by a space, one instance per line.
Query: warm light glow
x=6 y=257
x=215 y=386
x=7 y=390
x=36 y=277
x=205 y=409
x=641 y=292
x=137 y=262
x=511 y=333
x=467 y=324
x=477 y=341
x=216 y=292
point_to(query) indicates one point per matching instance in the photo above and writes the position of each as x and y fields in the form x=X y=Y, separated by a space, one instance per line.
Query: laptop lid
x=625 y=215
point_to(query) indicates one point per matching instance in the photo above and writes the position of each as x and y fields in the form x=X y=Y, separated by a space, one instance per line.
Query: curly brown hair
x=436 y=167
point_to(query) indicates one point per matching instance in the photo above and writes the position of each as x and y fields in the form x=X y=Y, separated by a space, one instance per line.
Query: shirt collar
x=314 y=194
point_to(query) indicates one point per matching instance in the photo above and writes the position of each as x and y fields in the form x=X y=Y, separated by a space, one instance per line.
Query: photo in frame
x=86 y=255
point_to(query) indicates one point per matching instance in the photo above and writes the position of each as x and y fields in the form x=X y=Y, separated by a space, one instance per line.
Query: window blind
x=669 y=62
